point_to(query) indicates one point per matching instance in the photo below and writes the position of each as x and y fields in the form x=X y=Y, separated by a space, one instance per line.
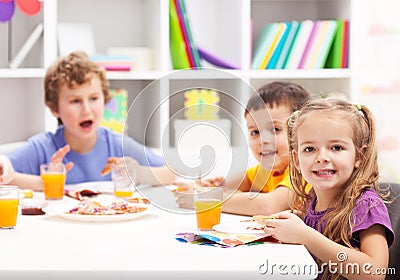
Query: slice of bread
x=262 y=218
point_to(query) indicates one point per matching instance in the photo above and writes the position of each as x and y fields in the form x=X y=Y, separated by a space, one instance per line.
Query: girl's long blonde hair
x=339 y=219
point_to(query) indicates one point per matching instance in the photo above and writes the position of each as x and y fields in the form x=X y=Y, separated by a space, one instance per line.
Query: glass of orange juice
x=53 y=179
x=9 y=201
x=123 y=185
x=208 y=204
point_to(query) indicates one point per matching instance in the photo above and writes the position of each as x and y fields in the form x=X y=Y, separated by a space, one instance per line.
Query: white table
x=49 y=247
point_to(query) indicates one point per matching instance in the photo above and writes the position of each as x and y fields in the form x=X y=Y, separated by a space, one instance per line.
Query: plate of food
x=94 y=211
x=252 y=225
x=105 y=187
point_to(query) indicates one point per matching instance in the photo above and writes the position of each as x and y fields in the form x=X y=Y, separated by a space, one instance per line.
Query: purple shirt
x=369 y=210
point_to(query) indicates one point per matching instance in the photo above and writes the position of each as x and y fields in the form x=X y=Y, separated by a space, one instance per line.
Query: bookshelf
x=226 y=28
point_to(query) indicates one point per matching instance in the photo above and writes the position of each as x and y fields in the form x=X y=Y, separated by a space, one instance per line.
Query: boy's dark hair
x=276 y=94
x=73 y=70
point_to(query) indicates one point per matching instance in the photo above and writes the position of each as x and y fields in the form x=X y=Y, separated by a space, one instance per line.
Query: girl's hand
x=59 y=156
x=6 y=170
x=287 y=227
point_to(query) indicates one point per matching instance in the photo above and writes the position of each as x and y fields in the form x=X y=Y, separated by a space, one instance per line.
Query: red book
x=345 y=46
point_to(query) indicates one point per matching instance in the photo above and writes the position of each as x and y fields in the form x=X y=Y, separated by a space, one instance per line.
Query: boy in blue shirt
x=76 y=91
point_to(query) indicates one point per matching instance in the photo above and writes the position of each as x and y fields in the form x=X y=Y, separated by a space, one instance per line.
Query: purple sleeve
x=370 y=210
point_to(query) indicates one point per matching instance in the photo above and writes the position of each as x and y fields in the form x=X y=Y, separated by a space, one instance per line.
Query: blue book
x=287 y=46
x=281 y=43
x=300 y=44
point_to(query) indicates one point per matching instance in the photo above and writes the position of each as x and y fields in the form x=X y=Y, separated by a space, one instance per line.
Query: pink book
x=299 y=44
x=311 y=40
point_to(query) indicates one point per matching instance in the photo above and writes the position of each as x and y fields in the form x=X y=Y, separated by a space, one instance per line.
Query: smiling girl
x=333 y=147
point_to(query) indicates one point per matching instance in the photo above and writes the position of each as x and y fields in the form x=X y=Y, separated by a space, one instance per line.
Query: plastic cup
x=123 y=185
x=53 y=179
x=9 y=201
x=208 y=204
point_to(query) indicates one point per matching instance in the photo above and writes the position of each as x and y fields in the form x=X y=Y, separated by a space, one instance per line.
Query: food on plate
x=81 y=194
x=255 y=228
x=262 y=218
x=107 y=168
x=138 y=200
x=27 y=193
x=30 y=206
x=91 y=207
x=32 y=211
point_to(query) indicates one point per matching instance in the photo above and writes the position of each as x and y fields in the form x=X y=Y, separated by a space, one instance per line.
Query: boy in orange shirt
x=266 y=187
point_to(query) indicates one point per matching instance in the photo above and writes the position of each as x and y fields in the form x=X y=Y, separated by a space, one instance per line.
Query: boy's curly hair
x=73 y=70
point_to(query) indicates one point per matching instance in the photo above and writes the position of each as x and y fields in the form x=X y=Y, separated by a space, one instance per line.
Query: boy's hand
x=184 y=195
x=59 y=156
x=211 y=182
x=6 y=170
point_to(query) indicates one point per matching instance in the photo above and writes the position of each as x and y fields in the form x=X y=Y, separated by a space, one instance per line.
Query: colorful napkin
x=223 y=240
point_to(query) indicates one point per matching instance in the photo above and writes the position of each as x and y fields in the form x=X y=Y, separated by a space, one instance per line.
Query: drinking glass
x=53 y=177
x=9 y=201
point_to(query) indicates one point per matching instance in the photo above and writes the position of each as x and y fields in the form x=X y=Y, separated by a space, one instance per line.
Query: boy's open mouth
x=86 y=124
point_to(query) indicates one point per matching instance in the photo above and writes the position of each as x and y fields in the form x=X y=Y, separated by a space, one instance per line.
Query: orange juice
x=208 y=212
x=123 y=193
x=53 y=185
x=8 y=213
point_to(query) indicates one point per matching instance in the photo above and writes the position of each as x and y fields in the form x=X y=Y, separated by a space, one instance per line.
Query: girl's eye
x=94 y=98
x=337 y=148
x=74 y=101
x=277 y=129
x=308 y=149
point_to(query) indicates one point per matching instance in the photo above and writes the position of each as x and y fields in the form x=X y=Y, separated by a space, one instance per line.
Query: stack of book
x=306 y=44
x=114 y=62
x=185 y=54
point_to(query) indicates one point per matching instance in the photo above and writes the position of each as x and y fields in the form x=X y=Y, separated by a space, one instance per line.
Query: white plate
x=100 y=186
x=105 y=218
x=239 y=227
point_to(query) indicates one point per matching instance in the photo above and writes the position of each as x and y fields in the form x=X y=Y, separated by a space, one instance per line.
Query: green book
x=177 y=45
x=335 y=55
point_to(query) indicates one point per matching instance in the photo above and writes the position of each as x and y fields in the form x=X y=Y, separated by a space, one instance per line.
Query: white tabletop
x=51 y=246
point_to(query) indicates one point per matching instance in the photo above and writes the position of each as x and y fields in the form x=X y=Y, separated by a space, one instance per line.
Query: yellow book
x=278 y=36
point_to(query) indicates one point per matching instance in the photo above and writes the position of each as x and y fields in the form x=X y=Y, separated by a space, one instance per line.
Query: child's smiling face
x=81 y=109
x=268 y=137
x=325 y=152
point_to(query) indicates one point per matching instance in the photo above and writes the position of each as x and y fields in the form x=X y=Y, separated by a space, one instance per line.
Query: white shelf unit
x=227 y=28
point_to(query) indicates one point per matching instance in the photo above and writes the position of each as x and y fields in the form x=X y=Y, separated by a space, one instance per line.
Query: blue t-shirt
x=87 y=167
